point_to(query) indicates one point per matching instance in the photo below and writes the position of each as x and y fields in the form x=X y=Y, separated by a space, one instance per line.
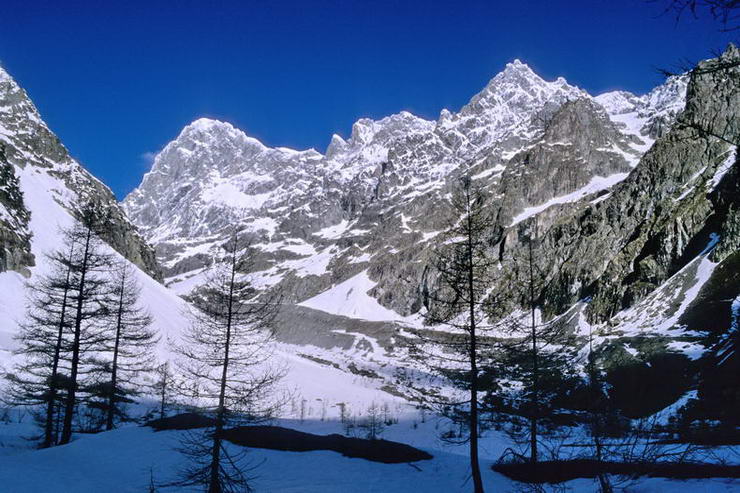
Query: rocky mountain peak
x=505 y=109
x=336 y=146
x=366 y=130
x=518 y=84
x=7 y=83
x=207 y=131
x=208 y=125
x=669 y=96
x=517 y=67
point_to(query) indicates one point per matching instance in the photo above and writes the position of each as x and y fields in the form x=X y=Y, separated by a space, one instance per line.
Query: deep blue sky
x=117 y=82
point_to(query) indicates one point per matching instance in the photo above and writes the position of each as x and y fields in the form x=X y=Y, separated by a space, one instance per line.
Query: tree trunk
x=49 y=438
x=535 y=369
x=474 y=461
x=114 y=366
x=215 y=483
x=163 y=395
x=71 y=395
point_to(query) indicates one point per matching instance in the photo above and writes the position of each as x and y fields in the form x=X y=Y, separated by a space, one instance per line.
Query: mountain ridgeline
x=373 y=200
x=634 y=202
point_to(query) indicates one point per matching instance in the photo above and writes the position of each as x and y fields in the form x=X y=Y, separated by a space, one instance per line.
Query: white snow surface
x=351 y=299
x=124 y=461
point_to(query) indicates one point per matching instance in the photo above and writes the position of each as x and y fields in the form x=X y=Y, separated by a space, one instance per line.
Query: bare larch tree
x=38 y=379
x=226 y=352
x=463 y=264
x=129 y=342
x=89 y=266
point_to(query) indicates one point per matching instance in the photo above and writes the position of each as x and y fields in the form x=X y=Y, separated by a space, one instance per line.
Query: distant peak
x=210 y=130
x=213 y=129
x=516 y=72
x=337 y=145
x=517 y=66
x=207 y=124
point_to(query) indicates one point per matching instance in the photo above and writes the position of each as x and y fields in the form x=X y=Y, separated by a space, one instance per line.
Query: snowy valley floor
x=123 y=460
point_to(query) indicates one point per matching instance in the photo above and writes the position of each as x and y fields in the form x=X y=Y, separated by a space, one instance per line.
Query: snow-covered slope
x=27 y=145
x=650 y=115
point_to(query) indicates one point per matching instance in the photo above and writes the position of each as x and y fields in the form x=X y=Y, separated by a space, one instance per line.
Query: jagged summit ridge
x=511 y=99
x=214 y=176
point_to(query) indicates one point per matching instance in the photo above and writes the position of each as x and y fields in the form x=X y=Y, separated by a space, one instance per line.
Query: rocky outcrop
x=579 y=143
x=664 y=213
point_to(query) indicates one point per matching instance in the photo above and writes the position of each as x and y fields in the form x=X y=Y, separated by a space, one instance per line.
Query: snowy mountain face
x=32 y=156
x=321 y=219
x=42 y=191
x=625 y=205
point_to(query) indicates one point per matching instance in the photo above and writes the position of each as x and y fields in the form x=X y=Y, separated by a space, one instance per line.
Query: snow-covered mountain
x=637 y=217
x=42 y=189
x=626 y=203
x=321 y=219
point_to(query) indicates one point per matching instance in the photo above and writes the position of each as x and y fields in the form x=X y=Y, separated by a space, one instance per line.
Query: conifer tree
x=164 y=388
x=40 y=378
x=129 y=340
x=534 y=354
x=89 y=266
x=463 y=263
x=226 y=351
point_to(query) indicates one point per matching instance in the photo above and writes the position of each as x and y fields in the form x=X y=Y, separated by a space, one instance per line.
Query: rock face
x=32 y=156
x=681 y=198
x=634 y=200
